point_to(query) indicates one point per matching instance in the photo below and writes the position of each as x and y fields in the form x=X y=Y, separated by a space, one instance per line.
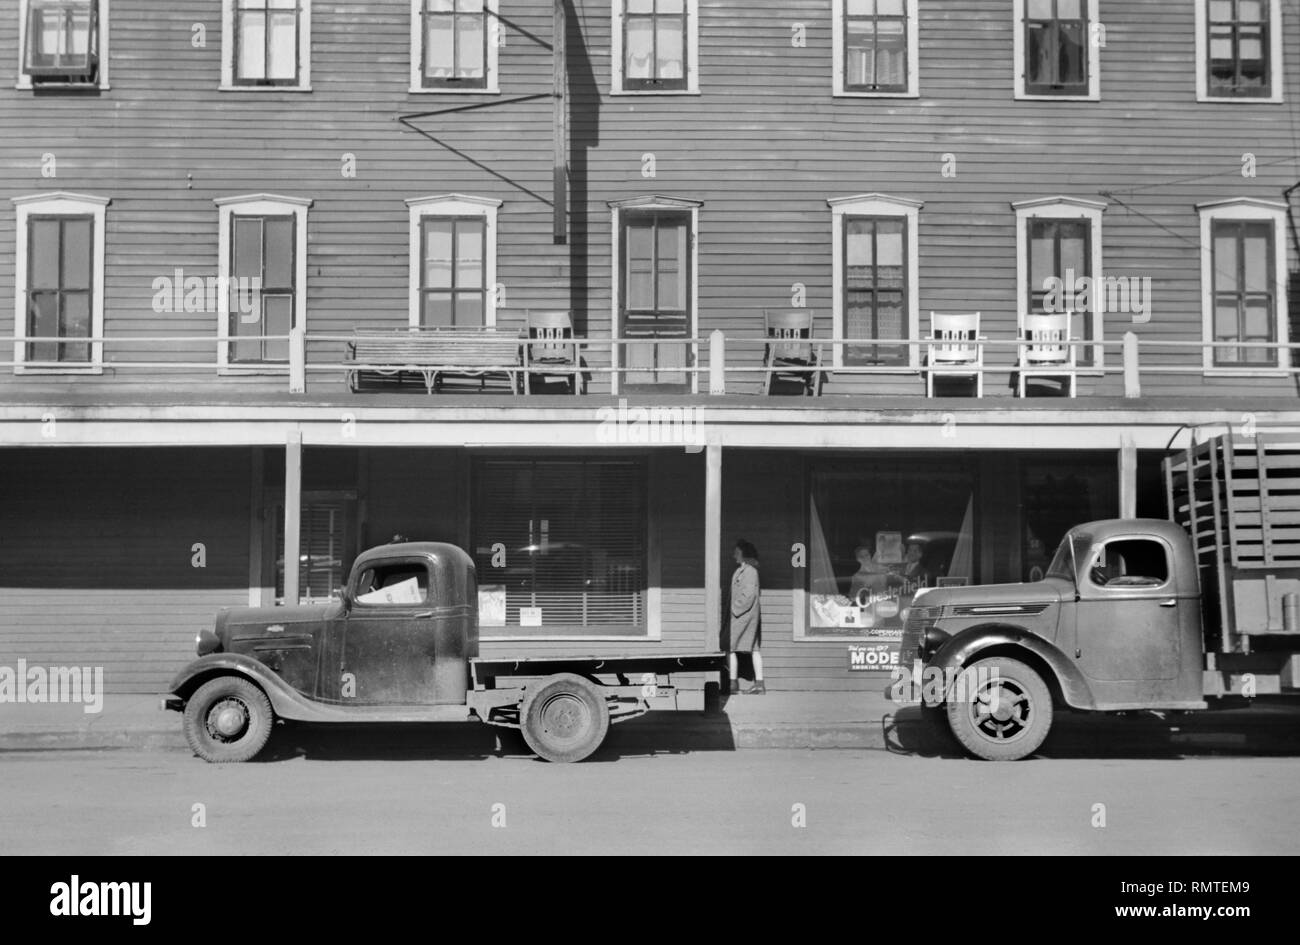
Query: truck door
x=388 y=637
x=1127 y=629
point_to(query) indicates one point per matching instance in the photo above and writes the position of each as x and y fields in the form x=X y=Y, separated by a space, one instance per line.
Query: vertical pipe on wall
x=713 y=546
x=1127 y=477
x=560 y=184
x=292 y=515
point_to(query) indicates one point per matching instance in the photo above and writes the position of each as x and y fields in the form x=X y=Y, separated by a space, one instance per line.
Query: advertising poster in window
x=880 y=533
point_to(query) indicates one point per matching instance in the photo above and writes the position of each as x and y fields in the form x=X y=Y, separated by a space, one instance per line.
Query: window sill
x=652 y=92
x=26 y=85
x=264 y=88
x=1245 y=372
x=843 y=93
x=1032 y=97
x=241 y=370
x=52 y=369
x=1239 y=99
x=452 y=90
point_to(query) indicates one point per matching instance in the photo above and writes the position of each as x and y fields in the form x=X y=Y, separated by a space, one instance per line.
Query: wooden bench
x=432 y=353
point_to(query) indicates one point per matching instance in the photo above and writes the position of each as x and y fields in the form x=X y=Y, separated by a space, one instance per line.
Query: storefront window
x=1057 y=495
x=879 y=532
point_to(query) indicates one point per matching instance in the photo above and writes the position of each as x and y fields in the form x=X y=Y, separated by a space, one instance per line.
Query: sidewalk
x=853 y=720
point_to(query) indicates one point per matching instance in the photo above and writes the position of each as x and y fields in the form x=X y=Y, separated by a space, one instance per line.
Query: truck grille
x=919 y=620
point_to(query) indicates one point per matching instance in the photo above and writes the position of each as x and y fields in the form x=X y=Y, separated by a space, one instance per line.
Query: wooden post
x=560 y=131
x=1127 y=477
x=1132 y=374
x=255 y=529
x=292 y=515
x=297 y=360
x=713 y=546
x=717 y=362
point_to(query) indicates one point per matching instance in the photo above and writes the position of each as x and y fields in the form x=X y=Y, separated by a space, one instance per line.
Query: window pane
x=1225 y=263
x=76 y=324
x=43 y=253
x=437 y=253
x=76 y=254
x=440 y=6
x=1074 y=253
x=247 y=247
x=47 y=39
x=1221 y=10
x=469 y=60
x=892 y=52
x=860 y=7
x=1259 y=320
x=1069 y=9
x=43 y=322
x=470 y=6
x=640 y=6
x=1071 y=54
x=1250 y=11
x=79 y=42
x=277 y=319
x=1225 y=321
x=252 y=47
x=857 y=249
x=469 y=310
x=437 y=310
x=284 y=47
x=279 y=254
x=640 y=42
x=438 y=47
x=1038 y=54
x=669 y=57
x=469 y=255
x=859 y=55
x=889 y=244
x=1257 y=253
x=890 y=7
x=1039 y=9
x=1042 y=257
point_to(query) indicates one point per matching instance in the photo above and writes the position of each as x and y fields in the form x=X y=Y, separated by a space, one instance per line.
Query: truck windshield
x=1062 y=565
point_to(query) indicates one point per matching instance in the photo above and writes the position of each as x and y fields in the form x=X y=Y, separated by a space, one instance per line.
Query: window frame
x=258 y=205
x=1092 y=61
x=1065 y=208
x=1089 y=589
x=691 y=78
x=1245 y=209
x=839 y=34
x=230 y=51
x=652 y=204
x=24 y=80
x=452 y=206
x=877 y=205
x=1275 y=53
x=492 y=56
x=59 y=204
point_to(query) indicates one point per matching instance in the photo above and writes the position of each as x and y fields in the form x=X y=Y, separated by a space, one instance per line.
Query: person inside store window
x=871 y=576
x=745 y=615
x=914 y=571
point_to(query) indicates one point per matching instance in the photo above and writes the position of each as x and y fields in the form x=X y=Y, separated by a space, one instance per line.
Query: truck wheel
x=228 y=719
x=1001 y=709
x=564 y=718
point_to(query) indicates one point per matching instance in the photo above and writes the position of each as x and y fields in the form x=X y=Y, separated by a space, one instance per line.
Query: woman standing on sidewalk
x=745 y=616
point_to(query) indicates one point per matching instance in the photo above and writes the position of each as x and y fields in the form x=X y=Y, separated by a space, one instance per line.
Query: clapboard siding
x=763 y=146
x=97 y=561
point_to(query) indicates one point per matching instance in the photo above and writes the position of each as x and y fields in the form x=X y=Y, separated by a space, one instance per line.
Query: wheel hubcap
x=565 y=717
x=228 y=720
x=1001 y=710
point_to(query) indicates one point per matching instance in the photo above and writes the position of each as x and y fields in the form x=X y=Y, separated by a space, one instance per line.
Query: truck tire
x=228 y=719
x=1001 y=709
x=564 y=718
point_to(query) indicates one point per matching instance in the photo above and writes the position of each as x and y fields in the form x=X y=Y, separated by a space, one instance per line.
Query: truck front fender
x=974 y=643
x=287 y=702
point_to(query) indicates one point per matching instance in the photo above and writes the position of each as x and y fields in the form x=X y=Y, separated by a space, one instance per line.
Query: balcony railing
x=717 y=364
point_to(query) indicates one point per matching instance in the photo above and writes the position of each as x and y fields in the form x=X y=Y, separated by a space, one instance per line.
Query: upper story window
x=263 y=276
x=59 y=283
x=63 y=43
x=875 y=47
x=875 y=272
x=267 y=44
x=454 y=45
x=655 y=46
x=453 y=261
x=1058 y=243
x=1239 y=50
x=1243 y=259
x=1057 y=49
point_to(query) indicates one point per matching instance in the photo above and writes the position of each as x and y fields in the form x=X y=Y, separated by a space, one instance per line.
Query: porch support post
x=1127 y=477
x=713 y=546
x=292 y=515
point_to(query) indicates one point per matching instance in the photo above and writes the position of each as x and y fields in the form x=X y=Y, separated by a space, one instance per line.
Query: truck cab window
x=394 y=584
x=1133 y=562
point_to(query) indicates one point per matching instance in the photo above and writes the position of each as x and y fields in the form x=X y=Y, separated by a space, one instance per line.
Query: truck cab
x=1115 y=624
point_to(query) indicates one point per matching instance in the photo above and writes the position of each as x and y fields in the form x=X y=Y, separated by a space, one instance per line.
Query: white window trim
x=913 y=55
x=1095 y=33
x=455 y=205
x=692 y=53
x=494 y=29
x=228 y=53
x=1244 y=208
x=654 y=202
x=1063 y=208
x=877 y=205
x=25 y=81
x=1274 y=58
x=256 y=205
x=62 y=204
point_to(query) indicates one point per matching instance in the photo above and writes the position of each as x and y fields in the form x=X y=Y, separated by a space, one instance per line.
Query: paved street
x=398 y=800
